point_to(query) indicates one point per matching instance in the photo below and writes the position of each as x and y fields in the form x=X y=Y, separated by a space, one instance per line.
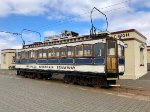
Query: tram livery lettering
x=45 y=66
x=66 y=67
x=58 y=67
x=30 y=66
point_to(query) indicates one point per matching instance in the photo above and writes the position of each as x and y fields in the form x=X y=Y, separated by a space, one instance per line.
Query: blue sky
x=50 y=17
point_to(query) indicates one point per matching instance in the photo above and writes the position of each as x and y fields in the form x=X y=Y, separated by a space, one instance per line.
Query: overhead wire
x=73 y=18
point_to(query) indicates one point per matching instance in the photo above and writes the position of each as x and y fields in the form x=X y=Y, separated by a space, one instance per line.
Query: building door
x=111 y=56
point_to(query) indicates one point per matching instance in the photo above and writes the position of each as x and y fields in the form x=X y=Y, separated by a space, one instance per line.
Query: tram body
x=99 y=60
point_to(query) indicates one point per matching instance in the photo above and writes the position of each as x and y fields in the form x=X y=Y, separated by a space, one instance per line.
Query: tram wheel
x=39 y=76
x=66 y=79
x=82 y=81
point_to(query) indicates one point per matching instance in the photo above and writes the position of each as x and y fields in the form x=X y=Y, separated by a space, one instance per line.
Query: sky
x=50 y=17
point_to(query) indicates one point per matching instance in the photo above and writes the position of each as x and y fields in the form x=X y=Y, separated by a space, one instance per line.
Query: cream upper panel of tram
x=68 y=44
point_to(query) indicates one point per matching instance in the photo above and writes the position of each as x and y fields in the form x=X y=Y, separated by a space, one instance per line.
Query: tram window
x=26 y=54
x=63 y=51
x=56 y=52
x=40 y=53
x=79 y=50
x=19 y=55
x=87 y=50
x=111 y=48
x=44 y=53
x=30 y=55
x=23 y=55
x=99 y=50
x=70 y=51
x=51 y=52
x=120 y=51
x=34 y=55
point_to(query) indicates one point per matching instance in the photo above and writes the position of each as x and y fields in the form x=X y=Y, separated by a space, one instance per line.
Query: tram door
x=111 y=56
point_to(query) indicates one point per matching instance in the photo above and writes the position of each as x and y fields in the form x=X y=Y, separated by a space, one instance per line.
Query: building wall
x=135 y=42
x=148 y=54
x=129 y=61
x=140 y=70
x=7 y=58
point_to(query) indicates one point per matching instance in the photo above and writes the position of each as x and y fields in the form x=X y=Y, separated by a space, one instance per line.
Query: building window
x=87 y=50
x=4 y=58
x=141 y=56
x=13 y=59
x=99 y=50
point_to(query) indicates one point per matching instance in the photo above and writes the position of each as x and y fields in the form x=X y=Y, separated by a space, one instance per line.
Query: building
x=135 y=53
x=7 y=58
x=148 y=58
x=148 y=54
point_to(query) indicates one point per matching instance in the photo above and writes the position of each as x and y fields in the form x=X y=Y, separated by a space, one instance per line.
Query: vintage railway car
x=97 y=60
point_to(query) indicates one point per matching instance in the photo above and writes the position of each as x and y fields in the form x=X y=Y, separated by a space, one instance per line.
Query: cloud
x=49 y=33
x=53 y=8
x=31 y=37
x=139 y=21
x=22 y=7
x=122 y=14
x=8 y=40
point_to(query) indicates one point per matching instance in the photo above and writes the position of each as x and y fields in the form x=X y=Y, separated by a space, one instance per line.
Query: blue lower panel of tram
x=18 y=61
x=99 y=61
x=53 y=61
x=83 y=61
x=121 y=61
x=24 y=61
x=32 y=61
x=66 y=61
x=80 y=61
x=42 y=61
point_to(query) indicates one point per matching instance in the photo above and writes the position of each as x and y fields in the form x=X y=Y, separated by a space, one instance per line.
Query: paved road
x=26 y=95
x=142 y=82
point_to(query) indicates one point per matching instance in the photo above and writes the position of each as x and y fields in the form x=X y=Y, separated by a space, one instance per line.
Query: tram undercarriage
x=83 y=79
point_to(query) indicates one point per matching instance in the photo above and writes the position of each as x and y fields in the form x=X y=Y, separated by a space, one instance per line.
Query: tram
x=95 y=60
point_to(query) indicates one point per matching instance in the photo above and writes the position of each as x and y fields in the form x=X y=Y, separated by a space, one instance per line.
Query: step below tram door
x=111 y=65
